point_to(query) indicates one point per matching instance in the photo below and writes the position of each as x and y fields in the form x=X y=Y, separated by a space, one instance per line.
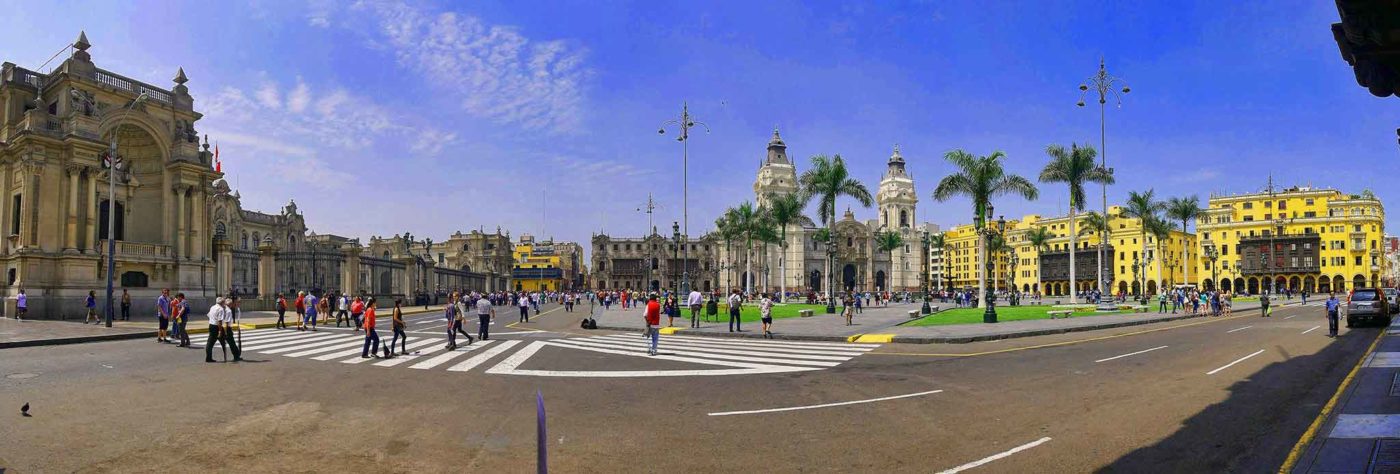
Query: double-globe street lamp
x=988 y=231
x=112 y=162
x=1106 y=86
x=1212 y=254
x=675 y=253
x=685 y=123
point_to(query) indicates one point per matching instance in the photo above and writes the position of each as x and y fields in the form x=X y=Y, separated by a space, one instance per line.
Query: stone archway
x=1339 y=284
x=1137 y=288
x=1253 y=286
x=1358 y=281
x=1123 y=287
x=1239 y=285
x=880 y=281
x=1309 y=284
x=1151 y=287
x=814 y=281
x=848 y=277
x=1210 y=285
x=1225 y=284
x=144 y=152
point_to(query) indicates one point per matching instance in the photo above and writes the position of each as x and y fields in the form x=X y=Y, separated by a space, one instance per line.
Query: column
x=267 y=271
x=70 y=241
x=5 y=209
x=350 y=269
x=200 y=225
x=180 y=221
x=223 y=266
x=92 y=210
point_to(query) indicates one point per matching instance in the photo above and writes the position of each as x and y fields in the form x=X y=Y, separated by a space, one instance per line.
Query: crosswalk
x=717 y=356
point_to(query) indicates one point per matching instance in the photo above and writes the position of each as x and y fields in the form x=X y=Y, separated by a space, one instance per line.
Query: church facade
x=800 y=264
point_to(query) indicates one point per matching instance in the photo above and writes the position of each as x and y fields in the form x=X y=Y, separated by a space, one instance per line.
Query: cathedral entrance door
x=848 y=277
x=880 y=281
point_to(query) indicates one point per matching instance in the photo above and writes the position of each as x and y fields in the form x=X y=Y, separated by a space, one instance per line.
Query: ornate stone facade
x=653 y=263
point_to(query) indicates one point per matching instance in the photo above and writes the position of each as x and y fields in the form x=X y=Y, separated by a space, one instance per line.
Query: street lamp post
x=1105 y=85
x=675 y=251
x=990 y=315
x=685 y=123
x=112 y=163
x=923 y=276
x=1011 y=280
x=1213 y=255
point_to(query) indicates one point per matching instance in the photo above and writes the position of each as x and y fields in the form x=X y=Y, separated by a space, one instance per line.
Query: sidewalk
x=1359 y=429
x=47 y=332
x=882 y=324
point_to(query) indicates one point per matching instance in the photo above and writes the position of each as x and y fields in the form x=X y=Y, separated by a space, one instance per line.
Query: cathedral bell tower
x=897 y=198
x=777 y=174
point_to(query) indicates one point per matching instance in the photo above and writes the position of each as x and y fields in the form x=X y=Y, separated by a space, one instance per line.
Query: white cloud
x=300 y=96
x=494 y=71
x=431 y=141
x=268 y=97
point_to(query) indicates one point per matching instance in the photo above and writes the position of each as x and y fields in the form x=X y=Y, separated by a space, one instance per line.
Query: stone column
x=180 y=220
x=92 y=210
x=408 y=280
x=199 y=226
x=267 y=271
x=350 y=269
x=70 y=242
x=223 y=266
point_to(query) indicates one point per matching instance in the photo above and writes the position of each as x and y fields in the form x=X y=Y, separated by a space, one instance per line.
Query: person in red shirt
x=370 y=335
x=301 y=310
x=653 y=316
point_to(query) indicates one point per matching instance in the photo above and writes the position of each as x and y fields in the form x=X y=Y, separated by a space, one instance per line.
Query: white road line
x=676 y=358
x=1238 y=329
x=810 y=355
x=1290 y=317
x=401 y=358
x=1226 y=366
x=448 y=355
x=309 y=345
x=485 y=355
x=997 y=456
x=1130 y=354
x=720 y=344
x=351 y=349
x=1311 y=330
x=816 y=344
x=824 y=405
x=247 y=338
x=283 y=342
x=700 y=353
x=341 y=344
x=509 y=366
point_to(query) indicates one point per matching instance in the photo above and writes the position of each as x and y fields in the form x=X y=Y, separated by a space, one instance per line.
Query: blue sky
x=541 y=117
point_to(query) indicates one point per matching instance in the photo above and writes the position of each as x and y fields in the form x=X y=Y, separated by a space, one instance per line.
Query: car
x=1368 y=304
x=1392 y=296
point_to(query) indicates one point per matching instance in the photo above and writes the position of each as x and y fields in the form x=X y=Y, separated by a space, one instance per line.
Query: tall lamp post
x=1011 y=280
x=1106 y=86
x=923 y=276
x=112 y=163
x=675 y=251
x=1213 y=255
x=685 y=123
x=990 y=315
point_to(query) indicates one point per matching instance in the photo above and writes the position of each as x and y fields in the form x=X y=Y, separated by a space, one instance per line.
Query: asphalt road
x=1064 y=403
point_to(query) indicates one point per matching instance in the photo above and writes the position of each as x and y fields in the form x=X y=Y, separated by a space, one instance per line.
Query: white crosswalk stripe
x=724 y=356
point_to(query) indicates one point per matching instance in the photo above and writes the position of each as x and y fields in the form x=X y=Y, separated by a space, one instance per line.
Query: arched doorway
x=1308 y=284
x=1253 y=286
x=1280 y=284
x=1225 y=284
x=1122 y=287
x=848 y=277
x=1036 y=287
x=1025 y=288
x=815 y=281
x=1295 y=283
x=1151 y=287
x=1358 y=281
x=1210 y=285
x=1137 y=288
x=145 y=155
x=1324 y=285
x=1239 y=285
x=880 y=281
x=656 y=285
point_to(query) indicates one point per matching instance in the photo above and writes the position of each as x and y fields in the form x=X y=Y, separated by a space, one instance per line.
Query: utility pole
x=649 y=208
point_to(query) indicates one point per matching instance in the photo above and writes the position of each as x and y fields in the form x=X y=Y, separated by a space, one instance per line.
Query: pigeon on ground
x=24 y=410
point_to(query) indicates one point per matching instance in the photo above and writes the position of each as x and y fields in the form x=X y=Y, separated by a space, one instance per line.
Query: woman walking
x=281 y=312
x=371 y=337
x=91 y=305
x=848 y=307
x=765 y=310
x=670 y=310
x=301 y=310
x=398 y=330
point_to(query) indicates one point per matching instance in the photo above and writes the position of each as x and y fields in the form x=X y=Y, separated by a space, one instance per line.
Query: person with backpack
x=301 y=310
x=281 y=312
x=736 y=303
x=1264 y=309
x=310 y=304
x=398 y=330
x=765 y=311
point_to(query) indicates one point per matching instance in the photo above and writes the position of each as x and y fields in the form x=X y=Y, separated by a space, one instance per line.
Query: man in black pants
x=735 y=302
x=220 y=320
x=524 y=308
x=484 y=312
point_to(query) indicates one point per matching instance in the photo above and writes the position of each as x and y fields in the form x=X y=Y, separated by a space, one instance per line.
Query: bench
x=804 y=313
x=1140 y=309
x=913 y=314
x=1062 y=313
x=933 y=309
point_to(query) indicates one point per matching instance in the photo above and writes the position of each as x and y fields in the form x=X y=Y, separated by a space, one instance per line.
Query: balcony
x=138 y=250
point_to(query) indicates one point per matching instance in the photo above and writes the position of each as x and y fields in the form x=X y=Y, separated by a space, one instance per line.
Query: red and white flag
x=218 y=165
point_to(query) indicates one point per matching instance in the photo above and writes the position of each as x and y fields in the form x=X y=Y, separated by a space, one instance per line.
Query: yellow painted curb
x=853 y=338
x=1296 y=453
x=875 y=338
x=670 y=330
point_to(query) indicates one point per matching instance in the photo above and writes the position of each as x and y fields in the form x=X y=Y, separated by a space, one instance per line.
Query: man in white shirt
x=220 y=331
x=524 y=308
x=342 y=311
x=695 y=300
x=484 y=312
x=735 y=303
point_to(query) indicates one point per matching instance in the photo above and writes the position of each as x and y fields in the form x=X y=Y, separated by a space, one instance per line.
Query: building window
x=1282 y=205
x=1309 y=214
x=1308 y=201
x=1249 y=205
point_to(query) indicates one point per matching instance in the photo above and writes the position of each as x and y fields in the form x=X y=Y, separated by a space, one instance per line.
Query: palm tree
x=1161 y=229
x=886 y=242
x=938 y=241
x=746 y=221
x=768 y=234
x=1074 y=167
x=725 y=230
x=996 y=246
x=1038 y=238
x=1143 y=207
x=827 y=180
x=1185 y=210
x=981 y=178
x=785 y=210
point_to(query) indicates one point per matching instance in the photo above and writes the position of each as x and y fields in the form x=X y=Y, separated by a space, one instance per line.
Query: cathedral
x=801 y=264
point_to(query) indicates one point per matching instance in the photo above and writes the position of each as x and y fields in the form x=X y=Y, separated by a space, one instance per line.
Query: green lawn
x=749 y=313
x=1017 y=313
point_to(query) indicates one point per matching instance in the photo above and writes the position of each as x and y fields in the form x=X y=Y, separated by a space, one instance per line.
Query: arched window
x=903 y=218
x=245 y=241
x=219 y=229
x=257 y=239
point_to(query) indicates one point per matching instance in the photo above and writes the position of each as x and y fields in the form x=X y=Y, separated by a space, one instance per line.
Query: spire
x=896 y=163
x=82 y=43
x=777 y=150
x=180 y=77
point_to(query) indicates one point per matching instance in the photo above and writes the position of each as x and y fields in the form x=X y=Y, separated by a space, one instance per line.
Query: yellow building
x=1046 y=270
x=538 y=266
x=1300 y=238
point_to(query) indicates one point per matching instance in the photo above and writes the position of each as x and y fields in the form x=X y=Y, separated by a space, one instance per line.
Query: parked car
x=1368 y=304
x=1391 y=295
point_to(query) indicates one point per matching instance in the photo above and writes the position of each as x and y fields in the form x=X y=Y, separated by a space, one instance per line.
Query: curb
x=1305 y=442
x=930 y=339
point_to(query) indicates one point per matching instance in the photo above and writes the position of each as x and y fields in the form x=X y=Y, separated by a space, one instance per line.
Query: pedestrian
x=485 y=312
x=399 y=327
x=21 y=305
x=371 y=336
x=342 y=309
x=765 y=310
x=847 y=307
x=858 y=298
x=460 y=305
x=449 y=312
x=524 y=303
x=126 y=305
x=310 y=303
x=653 y=320
x=301 y=310
x=174 y=319
x=735 y=304
x=1264 y=309
x=1161 y=303
x=694 y=300
x=220 y=331
x=163 y=315
x=91 y=304
x=357 y=311
x=324 y=308
x=1332 y=316
x=181 y=310
x=281 y=311
x=712 y=308
x=671 y=310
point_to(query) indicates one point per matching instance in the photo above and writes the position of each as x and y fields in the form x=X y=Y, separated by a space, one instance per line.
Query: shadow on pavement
x=1266 y=413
